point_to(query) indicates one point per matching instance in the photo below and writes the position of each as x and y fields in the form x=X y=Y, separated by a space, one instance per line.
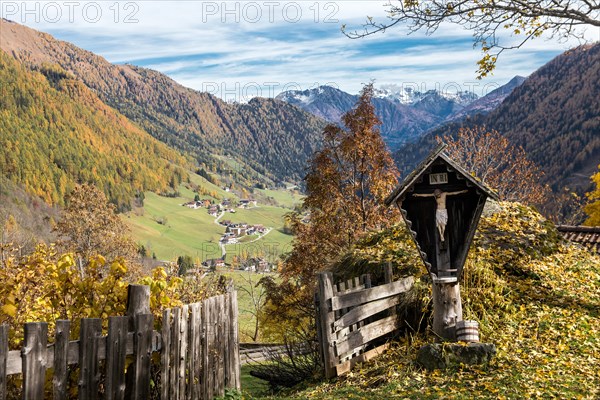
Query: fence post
x=61 y=352
x=34 y=360
x=138 y=303
x=3 y=359
x=234 y=344
x=327 y=320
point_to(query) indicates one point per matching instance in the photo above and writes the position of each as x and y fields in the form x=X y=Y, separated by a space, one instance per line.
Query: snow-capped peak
x=408 y=94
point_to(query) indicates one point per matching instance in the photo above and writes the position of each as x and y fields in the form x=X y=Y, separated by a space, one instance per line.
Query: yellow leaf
x=9 y=309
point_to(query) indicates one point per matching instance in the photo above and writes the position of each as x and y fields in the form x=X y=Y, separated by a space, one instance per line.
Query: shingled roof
x=438 y=153
x=588 y=236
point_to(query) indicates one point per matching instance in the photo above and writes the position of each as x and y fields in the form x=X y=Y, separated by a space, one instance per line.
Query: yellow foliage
x=46 y=286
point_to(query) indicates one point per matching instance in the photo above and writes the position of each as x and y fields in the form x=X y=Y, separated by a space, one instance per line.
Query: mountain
x=400 y=122
x=553 y=114
x=55 y=132
x=405 y=113
x=490 y=101
x=265 y=140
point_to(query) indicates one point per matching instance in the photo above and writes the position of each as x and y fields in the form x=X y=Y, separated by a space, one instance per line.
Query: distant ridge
x=405 y=114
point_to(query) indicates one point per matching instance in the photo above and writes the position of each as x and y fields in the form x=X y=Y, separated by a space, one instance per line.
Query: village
x=235 y=232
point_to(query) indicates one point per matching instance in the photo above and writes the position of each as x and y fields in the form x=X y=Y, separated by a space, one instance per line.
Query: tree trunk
x=447 y=308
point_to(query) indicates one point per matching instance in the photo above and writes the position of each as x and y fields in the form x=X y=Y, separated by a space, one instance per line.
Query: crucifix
x=441 y=213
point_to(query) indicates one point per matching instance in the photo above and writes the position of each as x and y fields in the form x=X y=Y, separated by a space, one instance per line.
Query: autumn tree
x=593 y=208
x=346 y=184
x=89 y=225
x=497 y=25
x=492 y=158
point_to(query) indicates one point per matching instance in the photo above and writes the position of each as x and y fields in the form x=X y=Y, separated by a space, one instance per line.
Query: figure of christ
x=441 y=213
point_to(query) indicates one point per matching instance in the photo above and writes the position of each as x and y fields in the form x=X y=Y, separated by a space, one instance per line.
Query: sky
x=241 y=49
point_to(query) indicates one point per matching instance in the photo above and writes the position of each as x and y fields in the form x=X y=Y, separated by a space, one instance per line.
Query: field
x=169 y=230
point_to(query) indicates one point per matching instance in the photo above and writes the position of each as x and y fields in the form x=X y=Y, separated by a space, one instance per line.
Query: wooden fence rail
x=351 y=315
x=198 y=345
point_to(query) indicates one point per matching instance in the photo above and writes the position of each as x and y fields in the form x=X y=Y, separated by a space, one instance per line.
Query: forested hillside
x=554 y=115
x=56 y=132
x=269 y=140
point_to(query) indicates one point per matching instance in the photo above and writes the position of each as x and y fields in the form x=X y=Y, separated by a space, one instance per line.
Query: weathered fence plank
x=116 y=353
x=366 y=356
x=375 y=293
x=61 y=359
x=207 y=336
x=165 y=353
x=196 y=354
x=366 y=334
x=3 y=359
x=34 y=360
x=142 y=352
x=91 y=329
x=183 y=338
x=174 y=356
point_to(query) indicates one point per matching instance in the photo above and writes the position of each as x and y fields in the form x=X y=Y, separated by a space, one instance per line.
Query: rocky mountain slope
x=268 y=140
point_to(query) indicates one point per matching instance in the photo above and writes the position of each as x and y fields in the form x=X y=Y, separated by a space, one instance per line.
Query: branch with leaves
x=487 y=19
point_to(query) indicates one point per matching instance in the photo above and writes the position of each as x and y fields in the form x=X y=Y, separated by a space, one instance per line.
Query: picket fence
x=353 y=317
x=198 y=346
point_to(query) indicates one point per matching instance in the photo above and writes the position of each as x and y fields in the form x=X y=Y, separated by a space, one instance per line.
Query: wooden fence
x=353 y=317
x=198 y=345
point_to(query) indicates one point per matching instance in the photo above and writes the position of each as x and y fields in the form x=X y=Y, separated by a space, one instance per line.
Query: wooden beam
x=375 y=293
x=326 y=323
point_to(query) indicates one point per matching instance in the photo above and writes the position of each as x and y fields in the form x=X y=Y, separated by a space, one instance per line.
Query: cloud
x=234 y=45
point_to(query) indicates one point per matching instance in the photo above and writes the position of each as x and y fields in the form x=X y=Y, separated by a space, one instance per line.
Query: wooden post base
x=447 y=307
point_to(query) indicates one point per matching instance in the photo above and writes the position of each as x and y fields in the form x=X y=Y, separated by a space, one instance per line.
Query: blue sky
x=239 y=49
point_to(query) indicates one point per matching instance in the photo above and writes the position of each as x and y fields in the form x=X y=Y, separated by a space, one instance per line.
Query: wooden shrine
x=441 y=204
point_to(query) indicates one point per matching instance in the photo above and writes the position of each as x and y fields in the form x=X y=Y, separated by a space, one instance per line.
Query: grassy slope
x=285 y=198
x=536 y=298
